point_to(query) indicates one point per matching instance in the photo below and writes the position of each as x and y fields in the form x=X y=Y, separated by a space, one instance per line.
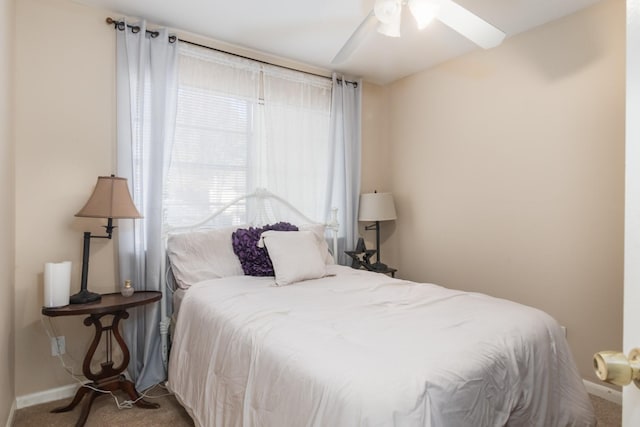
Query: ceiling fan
x=387 y=16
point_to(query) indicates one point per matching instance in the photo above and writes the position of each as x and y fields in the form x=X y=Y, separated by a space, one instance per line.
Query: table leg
x=87 y=407
x=130 y=389
x=77 y=398
x=110 y=378
x=82 y=391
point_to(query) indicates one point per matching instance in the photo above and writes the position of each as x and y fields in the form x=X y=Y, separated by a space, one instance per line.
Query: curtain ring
x=135 y=29
x=154 y=34
x=120 y=25
x=172 y=38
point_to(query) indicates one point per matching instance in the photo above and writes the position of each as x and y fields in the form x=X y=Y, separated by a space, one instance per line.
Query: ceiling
x=312 y=32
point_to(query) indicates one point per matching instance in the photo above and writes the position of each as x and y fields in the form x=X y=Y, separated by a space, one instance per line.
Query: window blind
x=241 y=125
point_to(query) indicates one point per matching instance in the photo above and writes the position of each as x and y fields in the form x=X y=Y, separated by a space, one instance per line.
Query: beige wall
x=508 y=171
x=7 y=391
x=376 y=149
x=65 y=133
x=376 y=152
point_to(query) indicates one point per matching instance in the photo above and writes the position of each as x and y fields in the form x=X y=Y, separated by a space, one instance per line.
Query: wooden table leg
x=77 y=398
x=82 y=391
x=110 y=378
x=130 y=389
x=87 y=407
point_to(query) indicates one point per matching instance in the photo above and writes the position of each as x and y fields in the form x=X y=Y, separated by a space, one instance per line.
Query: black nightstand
x=361 y=259
x=388 y=270
x=360 y=265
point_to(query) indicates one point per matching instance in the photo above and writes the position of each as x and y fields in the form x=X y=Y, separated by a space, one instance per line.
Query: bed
x=346 y=347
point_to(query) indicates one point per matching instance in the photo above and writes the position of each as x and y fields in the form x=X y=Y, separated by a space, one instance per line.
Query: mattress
x=360 y=348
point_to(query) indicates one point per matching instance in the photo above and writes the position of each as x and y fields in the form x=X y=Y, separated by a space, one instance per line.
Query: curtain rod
x=120 y=25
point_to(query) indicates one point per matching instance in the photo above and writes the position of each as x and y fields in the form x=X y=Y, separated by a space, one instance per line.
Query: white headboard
x=263 y=203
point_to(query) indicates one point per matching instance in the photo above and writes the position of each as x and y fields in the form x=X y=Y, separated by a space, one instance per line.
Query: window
x=242 y=125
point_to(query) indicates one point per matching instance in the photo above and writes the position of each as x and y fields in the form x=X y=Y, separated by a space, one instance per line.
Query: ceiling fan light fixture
x=423 y=11
x=388 y=30
x=469 y=25
x=387 y=11
x=391 y=29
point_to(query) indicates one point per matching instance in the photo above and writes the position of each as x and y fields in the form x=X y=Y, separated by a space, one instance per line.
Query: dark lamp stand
x=376 y=207
x=86 y=296
x=377 y=266
x=110 y=199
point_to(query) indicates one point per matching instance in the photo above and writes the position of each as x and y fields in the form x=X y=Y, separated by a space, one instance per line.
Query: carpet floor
x=104 y=413
x=609 y=414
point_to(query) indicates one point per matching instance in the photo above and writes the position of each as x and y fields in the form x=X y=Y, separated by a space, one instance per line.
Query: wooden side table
x=109 y=378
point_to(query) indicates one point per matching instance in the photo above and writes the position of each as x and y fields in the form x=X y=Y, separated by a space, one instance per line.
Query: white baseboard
x=604 y=392
x=46 y=396
x=68 y=391
x=12 y=411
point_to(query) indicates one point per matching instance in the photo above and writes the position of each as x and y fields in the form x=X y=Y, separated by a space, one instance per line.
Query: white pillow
x=202 y=255
x=295 y=256
x=319 y=230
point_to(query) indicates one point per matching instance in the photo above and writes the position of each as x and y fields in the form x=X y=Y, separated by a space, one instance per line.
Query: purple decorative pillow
x=254 y=260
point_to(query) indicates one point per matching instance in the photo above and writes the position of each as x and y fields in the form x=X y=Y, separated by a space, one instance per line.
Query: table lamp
x=376 y=207
x=110 y=199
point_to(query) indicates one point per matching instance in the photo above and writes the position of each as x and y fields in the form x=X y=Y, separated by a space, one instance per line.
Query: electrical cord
x=84 y=382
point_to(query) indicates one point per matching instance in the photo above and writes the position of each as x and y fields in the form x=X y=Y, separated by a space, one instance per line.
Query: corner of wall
x=12 y=412
x=7 y=217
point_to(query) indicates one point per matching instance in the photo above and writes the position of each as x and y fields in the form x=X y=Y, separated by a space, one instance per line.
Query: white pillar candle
x=57 y=283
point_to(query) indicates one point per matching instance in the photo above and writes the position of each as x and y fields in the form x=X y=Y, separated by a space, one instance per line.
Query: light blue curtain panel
x=146 y=99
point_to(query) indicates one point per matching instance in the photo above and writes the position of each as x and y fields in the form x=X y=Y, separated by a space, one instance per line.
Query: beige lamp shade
x=376 y=207
x=110 y=199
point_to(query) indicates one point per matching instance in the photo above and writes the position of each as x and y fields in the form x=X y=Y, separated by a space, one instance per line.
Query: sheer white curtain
x=293 y=147
x=345 y=161
x=217 y=105
x=146 y=100
x=242 y=125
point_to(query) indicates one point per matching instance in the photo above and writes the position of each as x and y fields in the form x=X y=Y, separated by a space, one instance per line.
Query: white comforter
x=362 y=349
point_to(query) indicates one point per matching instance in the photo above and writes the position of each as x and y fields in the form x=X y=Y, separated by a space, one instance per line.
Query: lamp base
x=84 y=297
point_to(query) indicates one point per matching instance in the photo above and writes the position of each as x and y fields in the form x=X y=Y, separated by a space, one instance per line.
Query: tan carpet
x=104 y=413
x=609 y=414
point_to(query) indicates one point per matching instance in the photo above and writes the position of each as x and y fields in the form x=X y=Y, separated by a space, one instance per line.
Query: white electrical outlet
x=57 y=346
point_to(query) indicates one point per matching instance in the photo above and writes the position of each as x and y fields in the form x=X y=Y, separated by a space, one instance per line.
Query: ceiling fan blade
x=365 y=27
x=469 y=25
